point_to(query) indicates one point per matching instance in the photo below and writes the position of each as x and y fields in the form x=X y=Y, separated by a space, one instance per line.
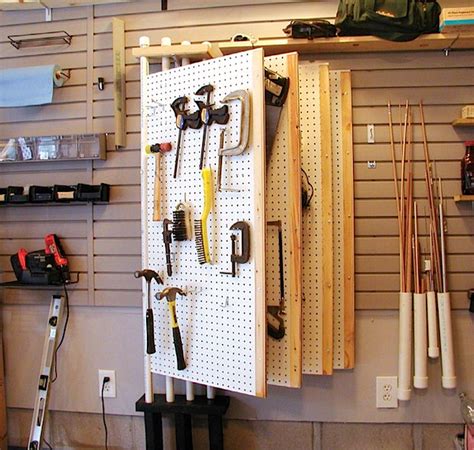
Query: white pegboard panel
x=221 y=319
x=279 y=207
x=312 y=221
x=338 y=219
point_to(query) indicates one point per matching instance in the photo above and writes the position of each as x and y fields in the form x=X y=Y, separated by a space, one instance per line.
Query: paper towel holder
x=40 y=39
x=64 y=73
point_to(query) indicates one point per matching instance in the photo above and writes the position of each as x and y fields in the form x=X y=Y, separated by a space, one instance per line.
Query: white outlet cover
x=110 y=389
x=371 y=133
x=386 y=392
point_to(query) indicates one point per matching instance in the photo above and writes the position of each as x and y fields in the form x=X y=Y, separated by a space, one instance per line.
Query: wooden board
x=348 y=213
x=194 y=51
x=464 y=198
x=463 y=122
x=349 y=44
x=327 y=215
x=283 y=203
x=118 y=49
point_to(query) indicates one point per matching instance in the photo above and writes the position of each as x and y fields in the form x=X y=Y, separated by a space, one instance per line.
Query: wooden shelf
x=348 y=44
x=193 y=51
x=464 y=198
x=467 y=122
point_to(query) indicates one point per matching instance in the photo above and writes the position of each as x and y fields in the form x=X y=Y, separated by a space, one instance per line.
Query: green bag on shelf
x=394 y=20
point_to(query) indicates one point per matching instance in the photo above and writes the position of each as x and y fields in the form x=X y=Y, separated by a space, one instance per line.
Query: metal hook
x=447 y=49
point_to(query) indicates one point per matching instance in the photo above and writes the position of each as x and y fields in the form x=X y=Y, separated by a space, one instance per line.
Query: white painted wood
x=206 y=288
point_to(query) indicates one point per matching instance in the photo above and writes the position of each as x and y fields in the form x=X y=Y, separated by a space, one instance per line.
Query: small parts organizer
x=203 y=221
x=53 y=148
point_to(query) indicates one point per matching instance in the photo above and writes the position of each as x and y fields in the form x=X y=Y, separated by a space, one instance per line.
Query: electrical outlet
x=109 y=388
x=386 y=392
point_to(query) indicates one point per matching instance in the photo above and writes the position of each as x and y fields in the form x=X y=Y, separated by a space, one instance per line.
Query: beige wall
x=104 y=242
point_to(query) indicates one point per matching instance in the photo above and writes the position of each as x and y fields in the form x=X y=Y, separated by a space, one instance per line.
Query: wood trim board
x=118 y=50
x=295 y=221
x=194 y=51
x=348 y=226
x=283 y=204
x=327 y=215
x=353 y=44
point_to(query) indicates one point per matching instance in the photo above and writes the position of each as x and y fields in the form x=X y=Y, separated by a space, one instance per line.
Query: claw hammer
x=149 y=276
x=170 y=295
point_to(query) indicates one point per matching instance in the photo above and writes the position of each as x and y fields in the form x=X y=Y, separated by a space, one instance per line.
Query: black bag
x=395 y=20
x=309 y=29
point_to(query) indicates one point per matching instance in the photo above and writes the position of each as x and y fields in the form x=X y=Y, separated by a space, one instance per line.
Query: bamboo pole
x=402 y=202
x=405 y=299
x=416 y=255
x=397 y=194
x=409 y=212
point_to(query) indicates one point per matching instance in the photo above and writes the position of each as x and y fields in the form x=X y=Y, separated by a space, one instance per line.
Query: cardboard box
x=456 y=20
x=468 y=112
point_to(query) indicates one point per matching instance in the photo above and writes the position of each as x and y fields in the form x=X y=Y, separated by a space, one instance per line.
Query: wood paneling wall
x=103 y=241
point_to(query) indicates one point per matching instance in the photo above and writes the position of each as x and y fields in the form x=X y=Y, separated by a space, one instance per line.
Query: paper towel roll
x=27 y=86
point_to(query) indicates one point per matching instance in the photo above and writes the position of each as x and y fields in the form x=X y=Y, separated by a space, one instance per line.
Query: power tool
x=42 y=267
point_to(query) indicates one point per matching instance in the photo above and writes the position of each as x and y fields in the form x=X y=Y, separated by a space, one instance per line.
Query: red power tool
x=42 y=267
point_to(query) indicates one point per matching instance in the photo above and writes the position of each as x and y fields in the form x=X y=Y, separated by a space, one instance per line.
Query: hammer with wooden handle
x=157 y=150
x=170 y=295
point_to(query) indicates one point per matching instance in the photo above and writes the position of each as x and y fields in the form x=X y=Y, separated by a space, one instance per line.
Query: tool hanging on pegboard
x=276 y=91
x=242 y=96
x=183 y=121
x=167 y=239
x=149 y=276
x=275 y=323
x=307 y=190
x=170 y=295
x=182 y=228
x=157 y=150
x=209 y=116
x=200 y=225
x=244 y=256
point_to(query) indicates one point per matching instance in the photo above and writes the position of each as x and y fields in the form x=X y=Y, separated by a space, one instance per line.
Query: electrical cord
x=55 y=354
x=47 y=443
x=307 y=197
x=104 y=382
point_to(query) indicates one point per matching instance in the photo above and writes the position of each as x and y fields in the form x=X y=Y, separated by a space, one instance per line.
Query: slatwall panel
x=444 y=83
x=113 y=230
